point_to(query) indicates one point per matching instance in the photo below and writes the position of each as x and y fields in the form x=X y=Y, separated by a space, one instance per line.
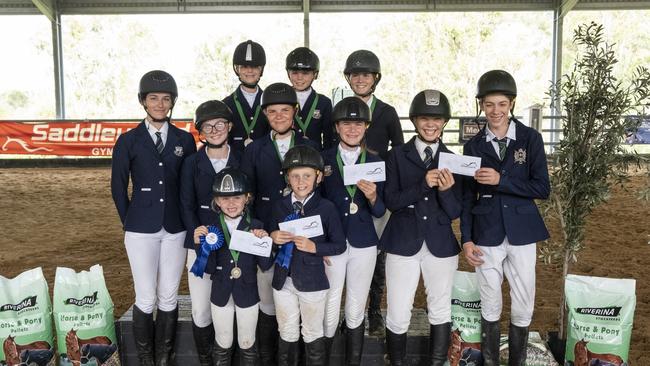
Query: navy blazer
x=154 y=203
x=419 y=213
x=237 y=134
x=308 y=269
x=320 y=129
x=385 y=128
x=490 y=213
x=220 y=263
x=359 y=228
x=197 y=176
x=263 y=167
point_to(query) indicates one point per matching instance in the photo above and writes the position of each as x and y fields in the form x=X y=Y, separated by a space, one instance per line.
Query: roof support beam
x=57 y=57
x=567 y=6
x=47 y=7
x=306 y=7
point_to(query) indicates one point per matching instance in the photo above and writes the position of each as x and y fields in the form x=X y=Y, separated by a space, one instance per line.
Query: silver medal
x=354 y=208
x=247 y=141
x=235 y=272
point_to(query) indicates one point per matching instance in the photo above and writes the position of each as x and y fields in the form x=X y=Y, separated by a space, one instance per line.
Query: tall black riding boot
x=517 y=345
x=316 y=353
x=166 y=337
x=439 y=338
x=248 y=357
x=221 y=356
x=376 y=323
x=143 y=332
x=396 y=345
x=490 y=337
x=328 y=351
x=354 y=345
x=267 y=339
x=203 y=339
x=287 y=353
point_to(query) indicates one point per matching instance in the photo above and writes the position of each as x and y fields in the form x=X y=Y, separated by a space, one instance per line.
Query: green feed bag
x=83 y=315
x=26 y=320
x=600 y=315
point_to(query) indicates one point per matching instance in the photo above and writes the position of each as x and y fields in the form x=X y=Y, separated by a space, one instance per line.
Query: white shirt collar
x=369 y=102
x=232 y=223
x=250 y=97
x=511 y=134
x=303 y=96
x=421 y=145
x=164 y=130
x=349 y=157
x=304 y=203
x=152 y=130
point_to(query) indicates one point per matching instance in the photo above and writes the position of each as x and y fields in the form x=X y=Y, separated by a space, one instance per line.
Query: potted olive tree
x=589 y=159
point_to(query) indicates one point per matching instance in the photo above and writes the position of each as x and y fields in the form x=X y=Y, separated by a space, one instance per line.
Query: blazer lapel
x=269 y=148
x=143 y=134
x=487 y=149
x=305 y=110
x=204 y=163
x=412 y=154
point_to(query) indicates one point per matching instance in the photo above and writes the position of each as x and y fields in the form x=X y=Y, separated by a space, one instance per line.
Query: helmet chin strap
x=214 y=146
x=372 y=88
x=276 y=133
x=250 y=86
x=231 y=217
x=354 y=146
x=159 y=120
x=430 y=142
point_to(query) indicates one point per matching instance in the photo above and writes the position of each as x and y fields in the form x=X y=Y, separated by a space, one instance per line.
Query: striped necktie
x=159 y=144
x=503 y=144
x=428 y=152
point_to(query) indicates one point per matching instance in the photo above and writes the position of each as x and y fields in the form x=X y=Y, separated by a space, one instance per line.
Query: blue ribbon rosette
x=209 y=243
x=283 y=258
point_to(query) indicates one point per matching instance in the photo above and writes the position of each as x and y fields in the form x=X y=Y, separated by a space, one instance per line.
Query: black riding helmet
x=363 y=61
x=248 y=53
x=279 y=93
x=157 y=81
x=211 y=109
x=496 y=81
x=499 y=82
x=430 y=103
x=302 y=58
x=303 y=156
x=230 y=182
x=351 y=109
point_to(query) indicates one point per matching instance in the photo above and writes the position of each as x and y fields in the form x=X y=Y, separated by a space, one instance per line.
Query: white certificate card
x=459 y=164
x=372 y=172
x=308 y=227
x=246 y=242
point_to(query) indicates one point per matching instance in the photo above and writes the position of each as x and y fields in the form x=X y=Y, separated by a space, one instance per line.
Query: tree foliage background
x=589 y=159
x=104 y=56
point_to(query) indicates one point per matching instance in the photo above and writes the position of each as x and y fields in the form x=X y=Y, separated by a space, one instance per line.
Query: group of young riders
x=275 y=155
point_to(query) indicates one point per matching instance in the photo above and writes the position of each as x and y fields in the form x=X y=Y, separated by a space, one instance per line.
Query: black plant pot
x=557 y=347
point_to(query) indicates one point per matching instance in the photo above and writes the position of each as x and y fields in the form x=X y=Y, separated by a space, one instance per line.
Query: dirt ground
x=65 y=217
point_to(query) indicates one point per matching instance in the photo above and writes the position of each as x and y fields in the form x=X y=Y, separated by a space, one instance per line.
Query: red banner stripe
x=68 y=137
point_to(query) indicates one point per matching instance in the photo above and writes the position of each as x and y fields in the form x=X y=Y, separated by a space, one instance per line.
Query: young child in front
x=299 y=280
x=234 y=273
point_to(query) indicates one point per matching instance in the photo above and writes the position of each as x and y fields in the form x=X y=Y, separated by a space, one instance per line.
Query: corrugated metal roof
x=274 y=6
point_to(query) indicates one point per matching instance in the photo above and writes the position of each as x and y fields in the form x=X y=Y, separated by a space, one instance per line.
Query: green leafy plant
x=590 y=158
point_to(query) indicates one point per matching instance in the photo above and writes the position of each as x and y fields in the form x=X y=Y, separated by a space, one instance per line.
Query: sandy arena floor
x=65 y=217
